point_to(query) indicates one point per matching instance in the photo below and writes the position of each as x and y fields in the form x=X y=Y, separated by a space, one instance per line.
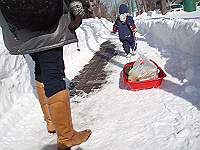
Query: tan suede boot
x=43 y=102
x=60 y=112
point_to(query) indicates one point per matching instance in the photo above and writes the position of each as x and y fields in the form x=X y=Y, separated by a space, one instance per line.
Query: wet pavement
x=93 y=75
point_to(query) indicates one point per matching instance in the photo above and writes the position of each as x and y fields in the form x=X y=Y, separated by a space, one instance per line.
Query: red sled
x=145 y=84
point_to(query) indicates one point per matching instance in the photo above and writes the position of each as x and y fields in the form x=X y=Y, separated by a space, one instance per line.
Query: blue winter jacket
x=125 y=30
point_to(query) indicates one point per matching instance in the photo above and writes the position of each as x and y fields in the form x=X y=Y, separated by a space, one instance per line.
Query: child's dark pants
x=127 y=44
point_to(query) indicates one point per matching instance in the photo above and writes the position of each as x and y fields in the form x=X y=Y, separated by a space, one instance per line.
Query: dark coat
x=125 y=30
x=23 y=41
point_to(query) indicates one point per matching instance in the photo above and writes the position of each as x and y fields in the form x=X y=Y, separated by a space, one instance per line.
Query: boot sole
x=77 y=144
x=52 y=132
x=65 y=149
x=88 y=137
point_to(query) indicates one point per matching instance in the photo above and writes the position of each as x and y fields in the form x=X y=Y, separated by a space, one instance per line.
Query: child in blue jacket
x=126 y=28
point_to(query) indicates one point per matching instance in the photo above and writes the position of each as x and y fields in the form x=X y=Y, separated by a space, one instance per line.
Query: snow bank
x=176 y=35
x=16 y=77
x=13 y=69
x=177 y=32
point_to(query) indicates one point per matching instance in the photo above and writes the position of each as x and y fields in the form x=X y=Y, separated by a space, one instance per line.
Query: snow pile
x=15 y=82
x=176 y=35
x=180 y=33
x=163 y=118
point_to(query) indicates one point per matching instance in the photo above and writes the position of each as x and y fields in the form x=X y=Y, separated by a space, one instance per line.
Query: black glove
x=75 y=23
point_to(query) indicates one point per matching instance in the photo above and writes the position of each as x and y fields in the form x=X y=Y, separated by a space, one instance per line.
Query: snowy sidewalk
x=92 y=76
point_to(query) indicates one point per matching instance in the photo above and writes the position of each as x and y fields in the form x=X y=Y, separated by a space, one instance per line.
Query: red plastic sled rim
x=145 y=84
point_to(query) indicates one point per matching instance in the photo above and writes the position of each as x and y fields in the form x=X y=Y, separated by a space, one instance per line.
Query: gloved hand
x=75 y=23
x=134 y=31
x=113 y=32
x=77 y=12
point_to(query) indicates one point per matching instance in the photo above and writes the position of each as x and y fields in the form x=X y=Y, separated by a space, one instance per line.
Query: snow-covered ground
x=163 y=118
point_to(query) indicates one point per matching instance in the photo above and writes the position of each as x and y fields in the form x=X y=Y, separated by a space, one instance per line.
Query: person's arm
x=132 y=25
x=115 y=28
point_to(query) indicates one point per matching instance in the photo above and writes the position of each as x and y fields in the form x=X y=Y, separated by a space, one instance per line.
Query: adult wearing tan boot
x=44 y=42
x=49 y=69
x=43 y=103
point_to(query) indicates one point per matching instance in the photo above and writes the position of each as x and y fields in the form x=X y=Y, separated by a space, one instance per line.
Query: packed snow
x=164 y=118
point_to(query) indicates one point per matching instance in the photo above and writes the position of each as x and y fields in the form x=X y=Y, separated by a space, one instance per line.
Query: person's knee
x=54 y=86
